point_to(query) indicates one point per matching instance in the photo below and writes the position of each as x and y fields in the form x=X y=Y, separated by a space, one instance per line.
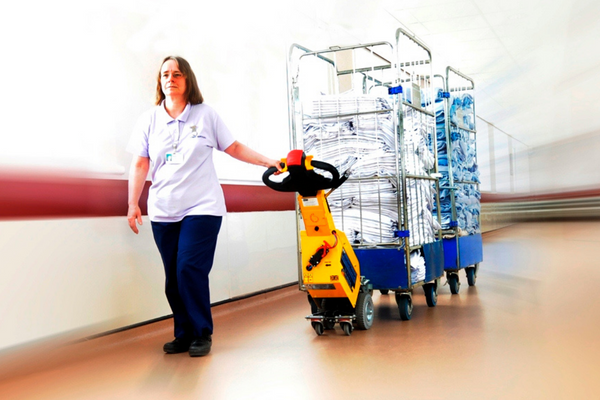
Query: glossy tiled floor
x=530 y=329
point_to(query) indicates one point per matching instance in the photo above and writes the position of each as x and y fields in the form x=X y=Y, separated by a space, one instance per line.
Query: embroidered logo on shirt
x=195 y=133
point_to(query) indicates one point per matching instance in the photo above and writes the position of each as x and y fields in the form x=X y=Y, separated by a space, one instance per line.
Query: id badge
x=174 y=158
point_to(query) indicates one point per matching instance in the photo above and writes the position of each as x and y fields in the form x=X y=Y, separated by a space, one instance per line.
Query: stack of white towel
x=358 y=131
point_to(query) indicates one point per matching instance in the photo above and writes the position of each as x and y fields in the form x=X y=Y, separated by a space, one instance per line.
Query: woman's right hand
x=134 y=214
x=137 y=177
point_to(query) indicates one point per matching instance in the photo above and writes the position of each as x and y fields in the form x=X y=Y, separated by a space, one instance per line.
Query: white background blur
x=76 y=75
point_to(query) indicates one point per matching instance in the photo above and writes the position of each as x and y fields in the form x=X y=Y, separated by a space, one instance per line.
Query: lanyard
x=176 y=139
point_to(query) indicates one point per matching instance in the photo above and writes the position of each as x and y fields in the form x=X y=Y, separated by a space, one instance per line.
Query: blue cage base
x=463 y=251
x=386 y=268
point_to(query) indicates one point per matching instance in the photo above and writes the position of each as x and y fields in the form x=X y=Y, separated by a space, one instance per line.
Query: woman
x=175 y=140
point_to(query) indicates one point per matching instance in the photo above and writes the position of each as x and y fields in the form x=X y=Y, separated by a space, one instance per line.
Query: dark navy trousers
x=187 y=249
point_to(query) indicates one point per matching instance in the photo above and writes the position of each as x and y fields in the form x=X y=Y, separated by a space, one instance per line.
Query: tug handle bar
x=302 y=178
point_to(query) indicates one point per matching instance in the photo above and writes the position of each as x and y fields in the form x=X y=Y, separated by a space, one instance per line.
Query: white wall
x=87 y=276
x=79 y=74
x=504 y=162
x=76 y=77
x=567 y=165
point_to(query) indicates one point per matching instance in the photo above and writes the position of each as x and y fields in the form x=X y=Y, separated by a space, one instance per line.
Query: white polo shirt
x=188 y=183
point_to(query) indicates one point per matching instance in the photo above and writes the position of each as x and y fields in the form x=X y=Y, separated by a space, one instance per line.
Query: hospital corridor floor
x=529 y=329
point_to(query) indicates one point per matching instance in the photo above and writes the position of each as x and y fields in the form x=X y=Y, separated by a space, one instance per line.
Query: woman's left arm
x=244 y=153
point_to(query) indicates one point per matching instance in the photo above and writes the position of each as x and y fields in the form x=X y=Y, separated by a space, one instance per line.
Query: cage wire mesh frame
x=461 y=250
x=415 y=74
x=361 y=69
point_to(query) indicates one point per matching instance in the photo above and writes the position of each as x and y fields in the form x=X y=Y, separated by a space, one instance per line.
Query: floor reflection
x=528 y=329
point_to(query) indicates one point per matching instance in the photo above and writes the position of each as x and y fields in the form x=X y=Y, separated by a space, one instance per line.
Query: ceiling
x=536 y=63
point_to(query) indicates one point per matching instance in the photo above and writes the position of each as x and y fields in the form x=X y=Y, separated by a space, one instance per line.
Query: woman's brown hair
x=192 y=91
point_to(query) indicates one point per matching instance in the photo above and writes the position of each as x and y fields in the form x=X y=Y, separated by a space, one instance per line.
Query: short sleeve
x=138 y=142
x=224 y=137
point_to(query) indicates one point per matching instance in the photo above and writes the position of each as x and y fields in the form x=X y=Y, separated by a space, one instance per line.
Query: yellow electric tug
x=330 y=270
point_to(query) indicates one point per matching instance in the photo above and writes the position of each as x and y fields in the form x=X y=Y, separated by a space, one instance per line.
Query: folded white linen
x=360 y=131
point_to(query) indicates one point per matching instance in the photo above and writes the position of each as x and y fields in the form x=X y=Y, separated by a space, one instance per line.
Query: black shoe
x=179 y=345
x=200 y=346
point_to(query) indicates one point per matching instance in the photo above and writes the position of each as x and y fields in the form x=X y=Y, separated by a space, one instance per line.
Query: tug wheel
x=364 y=311
x=347 y=328
x=318 y=327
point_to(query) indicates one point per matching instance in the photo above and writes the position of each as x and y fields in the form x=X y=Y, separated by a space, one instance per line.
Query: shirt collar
x=166 y=118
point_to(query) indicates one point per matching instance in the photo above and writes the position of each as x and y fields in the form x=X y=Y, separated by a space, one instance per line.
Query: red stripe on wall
x=242 y=198
x=573 y=194
x=34 y=197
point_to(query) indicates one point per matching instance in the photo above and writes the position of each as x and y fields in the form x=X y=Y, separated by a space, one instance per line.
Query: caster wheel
x=364 y=311
x=471 y=276
x=453 y=283
x=404 y=306
x=347 y=328
x=431 y=294
x=384 y=291
x=318 y=327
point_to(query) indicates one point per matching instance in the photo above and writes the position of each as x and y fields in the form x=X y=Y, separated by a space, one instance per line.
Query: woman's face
x=172 y=80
